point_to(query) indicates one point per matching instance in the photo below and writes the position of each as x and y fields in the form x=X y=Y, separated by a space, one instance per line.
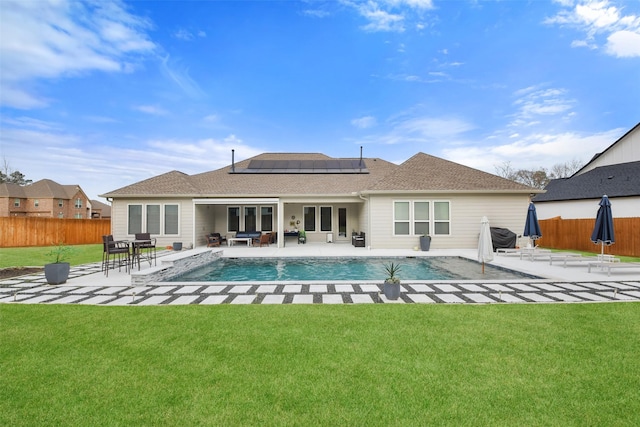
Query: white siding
x=624 y=151
x=505 y=211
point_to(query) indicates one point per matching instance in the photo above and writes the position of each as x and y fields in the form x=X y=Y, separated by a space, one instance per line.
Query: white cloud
x=533 y=150
x=180 y=76
x=364 y=122
x=151 y=109
x=183 y=34
x=535 y=101
x=390 y=15
x=603 y=24
x=47 y=40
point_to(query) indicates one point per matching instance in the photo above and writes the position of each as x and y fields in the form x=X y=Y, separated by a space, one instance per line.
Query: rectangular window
x=60 y=203
x=420 y=218
x=135 y=219
x=441 y=218
x=326 y=216
x=401 y=218
x=309 y=218
x=266 y=218
x=233 y=218
x=250 y=218
x=78 y=216
x=36 y=203
x=78 y=203
x=16 y=203
x=171 y=219
x=153 y=219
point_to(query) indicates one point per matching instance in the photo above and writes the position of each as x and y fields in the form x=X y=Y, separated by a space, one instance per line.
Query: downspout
x=368 y=205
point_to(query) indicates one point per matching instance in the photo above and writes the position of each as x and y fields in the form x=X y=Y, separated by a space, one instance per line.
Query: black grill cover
x=503 y=238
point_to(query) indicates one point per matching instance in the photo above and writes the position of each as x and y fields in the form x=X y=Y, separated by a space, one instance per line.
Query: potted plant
x=57 y=272
x=425 y=242
x=392 y=283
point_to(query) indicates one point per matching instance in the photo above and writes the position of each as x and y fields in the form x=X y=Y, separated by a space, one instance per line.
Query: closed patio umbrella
x=531 y=226
x=603 y=230
x=485 y=245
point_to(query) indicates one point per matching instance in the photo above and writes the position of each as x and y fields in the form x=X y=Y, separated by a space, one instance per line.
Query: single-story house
x=614 y=172
x=329 y=198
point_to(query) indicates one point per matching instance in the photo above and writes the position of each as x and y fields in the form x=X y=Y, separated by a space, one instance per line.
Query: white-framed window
x=78 y=216
x=16 y=203
x=250 y=218
x=60 y=203
x=441 y=218
x=153 y=219
x=309 y=218
x=421 y=217
x=171 y=219
x=233 y=218
x=266 y=218
x=78 y=203
x=36 y=203
x=326 y=218
x=134 y=219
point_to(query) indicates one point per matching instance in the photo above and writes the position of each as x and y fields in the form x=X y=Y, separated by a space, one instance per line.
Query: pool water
x=330 y=269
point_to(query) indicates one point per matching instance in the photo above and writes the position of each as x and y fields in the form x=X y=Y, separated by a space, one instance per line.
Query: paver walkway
x=33 y=289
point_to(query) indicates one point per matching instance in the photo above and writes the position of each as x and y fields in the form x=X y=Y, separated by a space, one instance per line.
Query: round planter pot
x=391 y=290
x=56 y=274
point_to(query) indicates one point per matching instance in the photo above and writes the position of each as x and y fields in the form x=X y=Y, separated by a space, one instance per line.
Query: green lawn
x=37 y=256
x=517 y=365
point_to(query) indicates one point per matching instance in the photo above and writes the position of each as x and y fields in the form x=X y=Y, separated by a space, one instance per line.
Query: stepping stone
x=618 y=296
x=239 y=289
x=481 y=298
x=447 y=288
x=420 y=298
x=507 y=297
x=633 y=293
x=67 y=299
x=213 y=289
x=154 y=300
x=548 y=287
x=184 y=299
x=98 y=299
x=117 y=289
x=450 y=299
x=243 y=299
x=572 y=287
x=160 y=290
x=596 y=286
x=332 y=299
x=421 y=288
x=343 y=288
x=266 y=289
x=473 y=288
x=369 y=288
x=273 y=299
x=499 y=288
x=591 y=297
x=564 y=297
x=303 y=299
x=621 y=285
x=86 y=290
x=124 y=300
x=361 y=299
x=60 y=289
x=186 y=289
x=318 y=289
x=523 y=287
x=214 y=299
x=39 y=298
x=535 y=297
x=292 y=289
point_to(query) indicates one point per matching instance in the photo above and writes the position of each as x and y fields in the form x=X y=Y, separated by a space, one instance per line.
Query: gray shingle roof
x=621 y=180
x=421 y=172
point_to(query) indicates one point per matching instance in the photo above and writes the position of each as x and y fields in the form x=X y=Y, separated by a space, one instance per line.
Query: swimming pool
x=343 y=269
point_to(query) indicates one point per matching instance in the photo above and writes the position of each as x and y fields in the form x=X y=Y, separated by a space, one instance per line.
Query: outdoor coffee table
x=239 y=239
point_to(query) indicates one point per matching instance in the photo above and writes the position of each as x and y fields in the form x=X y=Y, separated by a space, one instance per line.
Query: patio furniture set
x=126 y=253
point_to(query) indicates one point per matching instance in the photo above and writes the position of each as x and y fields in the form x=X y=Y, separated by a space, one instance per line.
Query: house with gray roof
x=329 y=198
x=614 y=172
x=44 y=198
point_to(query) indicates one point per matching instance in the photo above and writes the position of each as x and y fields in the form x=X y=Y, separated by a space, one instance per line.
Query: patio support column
x=280 y=222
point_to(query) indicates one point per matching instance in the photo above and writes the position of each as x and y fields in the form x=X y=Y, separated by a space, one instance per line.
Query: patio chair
x=116 y=251
x=265 y=239
x=146 y=248
x=213 y=241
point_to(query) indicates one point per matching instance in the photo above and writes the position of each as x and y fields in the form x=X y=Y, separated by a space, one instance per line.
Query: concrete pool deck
x=573 y=283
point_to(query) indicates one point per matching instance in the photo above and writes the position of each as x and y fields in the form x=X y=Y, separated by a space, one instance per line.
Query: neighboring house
x=100 y=210
x=327 y=197
x=44 y=198
x=614 y=172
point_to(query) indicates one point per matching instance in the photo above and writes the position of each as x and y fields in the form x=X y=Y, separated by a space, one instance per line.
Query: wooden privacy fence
x=576 y=234
x=30 y=231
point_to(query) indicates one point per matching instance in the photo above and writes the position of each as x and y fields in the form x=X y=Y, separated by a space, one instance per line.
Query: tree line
x=538 y=178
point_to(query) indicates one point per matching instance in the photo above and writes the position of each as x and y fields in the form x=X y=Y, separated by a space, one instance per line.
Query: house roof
x=420 y=173
x=620 y=180
x=102 y=207
x=423 y=172
x=45 y=189
x=9 y=189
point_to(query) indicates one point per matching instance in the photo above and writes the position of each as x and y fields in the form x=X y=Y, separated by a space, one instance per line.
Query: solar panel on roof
x=305 y=166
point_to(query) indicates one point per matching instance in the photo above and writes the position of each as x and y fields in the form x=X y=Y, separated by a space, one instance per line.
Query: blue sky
x=104 y=94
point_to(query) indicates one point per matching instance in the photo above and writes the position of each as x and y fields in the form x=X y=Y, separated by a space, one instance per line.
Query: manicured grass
x=557 y=364
x=37 y=256
x=593 y=254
